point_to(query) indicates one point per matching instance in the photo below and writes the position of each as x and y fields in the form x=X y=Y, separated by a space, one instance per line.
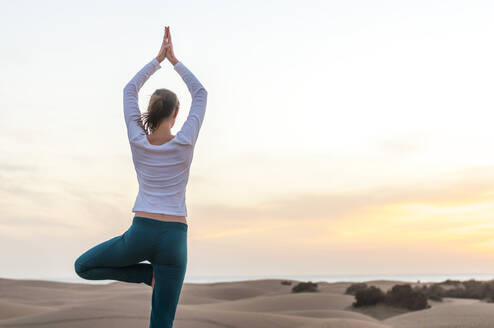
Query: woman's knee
x=79 y=266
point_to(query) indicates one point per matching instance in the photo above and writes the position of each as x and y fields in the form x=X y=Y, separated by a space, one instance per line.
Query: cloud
x=400 y=145
x=11 y=167
x=464 y=187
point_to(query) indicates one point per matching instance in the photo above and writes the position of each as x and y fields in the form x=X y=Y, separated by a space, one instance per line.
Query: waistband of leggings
x=159 y=223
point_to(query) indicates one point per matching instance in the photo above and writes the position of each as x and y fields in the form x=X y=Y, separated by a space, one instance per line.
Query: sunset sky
x=340 y=137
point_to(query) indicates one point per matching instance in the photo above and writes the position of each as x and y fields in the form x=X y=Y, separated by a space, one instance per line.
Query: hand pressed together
x=166 y=50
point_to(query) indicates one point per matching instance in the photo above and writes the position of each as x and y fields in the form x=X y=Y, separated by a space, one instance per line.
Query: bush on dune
x=353 y=288
x=406 y=297
x=416 y=298
x=305 y=287
x=450 y=282
x=433 y=292
x=400 y=296
x=368 y=296
x=472 y=289
x=489 y=294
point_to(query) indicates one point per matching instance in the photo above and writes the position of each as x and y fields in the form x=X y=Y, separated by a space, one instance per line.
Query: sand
x=252 y=303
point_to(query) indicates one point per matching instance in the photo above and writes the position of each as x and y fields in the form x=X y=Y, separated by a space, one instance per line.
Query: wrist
x=173 y=61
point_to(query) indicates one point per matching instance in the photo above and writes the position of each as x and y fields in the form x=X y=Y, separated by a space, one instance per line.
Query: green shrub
x=450 y=282
x=469 y=289
x=305 y=287
x=354 y=287
x=368 y=296
x=399 y=296
x=434 y=292
x=404 y=296
x=489 y=293
x=416 y=299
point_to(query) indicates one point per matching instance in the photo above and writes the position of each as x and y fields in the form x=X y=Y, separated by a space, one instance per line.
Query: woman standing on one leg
x=158 y=232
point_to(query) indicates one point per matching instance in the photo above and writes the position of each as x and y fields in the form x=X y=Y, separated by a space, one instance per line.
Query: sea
x=426 y=277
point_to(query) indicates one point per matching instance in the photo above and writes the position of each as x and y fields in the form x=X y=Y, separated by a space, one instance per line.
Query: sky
x=341 y=137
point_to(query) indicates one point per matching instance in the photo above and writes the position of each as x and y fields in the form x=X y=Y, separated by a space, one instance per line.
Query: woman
x=158 y=232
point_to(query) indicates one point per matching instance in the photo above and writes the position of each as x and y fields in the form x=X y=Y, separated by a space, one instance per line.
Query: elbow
x=201 y=92
x=201 y=95
x=129 y=86
x=129 y=89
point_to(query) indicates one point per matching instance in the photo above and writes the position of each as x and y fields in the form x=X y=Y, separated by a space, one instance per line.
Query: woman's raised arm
x=131 y=97
x=132 y=112
x=192 y=125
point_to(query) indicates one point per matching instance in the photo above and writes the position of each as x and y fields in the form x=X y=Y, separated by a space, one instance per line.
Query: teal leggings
x=162 y=243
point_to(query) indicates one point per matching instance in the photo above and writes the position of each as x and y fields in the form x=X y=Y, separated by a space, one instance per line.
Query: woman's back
x=163 y=170
x=162 y=173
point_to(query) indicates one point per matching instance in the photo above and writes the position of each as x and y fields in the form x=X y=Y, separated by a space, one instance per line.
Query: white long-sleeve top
x=163 y=170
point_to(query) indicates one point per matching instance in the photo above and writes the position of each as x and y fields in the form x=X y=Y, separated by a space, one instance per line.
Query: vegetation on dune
x=305 y=287
x=399 y=295
x=353 y=288
x=434 y=292
x=371 y=295
x=415 y=298
x=482 y=290
x=407 y=297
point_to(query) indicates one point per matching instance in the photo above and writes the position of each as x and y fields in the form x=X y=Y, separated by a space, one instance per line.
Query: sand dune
x=289 y=301
x=10 y=309
x=341 y=314
x=189 y=318
x=254 y=303
x=461 y=313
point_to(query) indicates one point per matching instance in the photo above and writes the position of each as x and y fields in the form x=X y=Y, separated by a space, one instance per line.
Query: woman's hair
x=161 y=106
